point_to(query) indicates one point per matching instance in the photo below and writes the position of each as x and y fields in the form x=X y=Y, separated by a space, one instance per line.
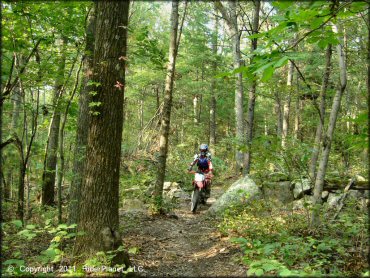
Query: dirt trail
x=186 y=245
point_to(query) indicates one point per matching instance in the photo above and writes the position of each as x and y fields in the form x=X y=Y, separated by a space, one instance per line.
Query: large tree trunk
x=252 y=95
x=319 y=183
x=50 y=160
x=320 y=125
x=99 y=200
x=212 y=106
x=82 y=122
x=165 y=122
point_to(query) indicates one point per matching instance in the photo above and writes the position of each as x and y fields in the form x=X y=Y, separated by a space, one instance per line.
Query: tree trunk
x=238 y=85
x=212 y=106
x=233 y=30
x=320 y=125
x=165 y=122
x=319 y=183
x=279 y=115
x=82 y=122
x=99 y=200
x=252 y=95
x=61 y=147
x=286 y=106
x=368 y=77
x=50 y=160
x=212 y=110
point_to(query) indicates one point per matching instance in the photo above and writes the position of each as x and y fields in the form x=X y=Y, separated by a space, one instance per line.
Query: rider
x=204 y=163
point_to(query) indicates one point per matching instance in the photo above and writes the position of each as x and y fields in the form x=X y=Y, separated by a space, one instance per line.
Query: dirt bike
x=200 y=182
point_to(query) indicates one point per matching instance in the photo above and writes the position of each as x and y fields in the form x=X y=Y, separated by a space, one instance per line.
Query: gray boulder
x=241 y=192
x=334 y=200
x=177 y=194
x=132 y=207
x=172 y=190
x=305 y=202
x=168 y=186
x=301 y=187
x=278 y=191
x=324 y=195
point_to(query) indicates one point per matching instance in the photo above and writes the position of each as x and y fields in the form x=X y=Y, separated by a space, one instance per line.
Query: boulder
x=354 y=194
x=359 y=178
x=366 y=194
x=334 y=200
x=132 y=207
x=324 y=195
x=301 y=187
x=305 y=202
x=168 y=186
x=175 y=193
x=241 y=192
x=278 y=191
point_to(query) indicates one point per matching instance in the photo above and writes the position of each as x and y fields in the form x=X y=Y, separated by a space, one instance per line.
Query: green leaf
x=133 y=250
x=267 y=74
x=259 y=272
x=281 y=62
x=285 y=272
x=30 y=227
x=17 y=223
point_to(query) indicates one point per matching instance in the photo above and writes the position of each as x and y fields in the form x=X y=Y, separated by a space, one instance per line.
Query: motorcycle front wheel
x=195 y=199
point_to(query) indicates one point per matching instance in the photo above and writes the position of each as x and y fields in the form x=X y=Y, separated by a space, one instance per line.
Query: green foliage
x=278 y=243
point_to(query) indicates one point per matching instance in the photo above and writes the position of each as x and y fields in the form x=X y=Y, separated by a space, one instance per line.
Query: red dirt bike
x=201 y=183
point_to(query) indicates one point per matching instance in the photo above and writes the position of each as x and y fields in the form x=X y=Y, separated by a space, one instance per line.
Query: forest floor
x=182 y=244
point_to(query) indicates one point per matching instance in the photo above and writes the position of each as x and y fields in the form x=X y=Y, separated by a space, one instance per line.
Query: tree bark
x=279 y=115
x=99 y=200
x=165 y=122
x=286 y=106
x=315 y=218
x=252 y=95
x=233 y=30
x=212 y=106
x=368 y=74
x=50 y=160
x=61 y=147
x=320 y=125
x=82 y=121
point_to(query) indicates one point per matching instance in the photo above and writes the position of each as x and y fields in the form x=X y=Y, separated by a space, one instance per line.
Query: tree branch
x=10 y=87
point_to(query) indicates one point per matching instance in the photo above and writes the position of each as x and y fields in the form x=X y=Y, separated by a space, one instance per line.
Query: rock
x=366 y=194
x=133 y=204
x=132 y=207
x=324 y=195
x=167 y=186
x=359 y=178
x=177 y=193
x=305 y=202
x=333 y=200
x=354 y=194
x=241 y=192
x=301 y=187
x=278 y=191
